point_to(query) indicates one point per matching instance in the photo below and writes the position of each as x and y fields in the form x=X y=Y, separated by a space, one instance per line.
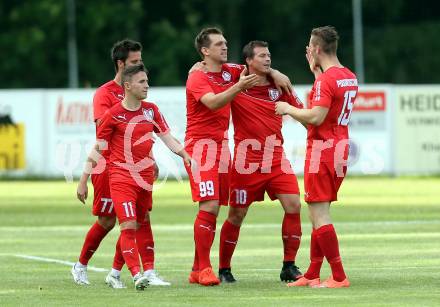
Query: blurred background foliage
x=401 y=38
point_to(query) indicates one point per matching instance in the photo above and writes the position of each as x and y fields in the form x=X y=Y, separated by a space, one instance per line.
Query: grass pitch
x=389 y=235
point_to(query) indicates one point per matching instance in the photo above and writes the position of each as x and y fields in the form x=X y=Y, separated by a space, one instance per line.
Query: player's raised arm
x=314 y=68
x=217 y=101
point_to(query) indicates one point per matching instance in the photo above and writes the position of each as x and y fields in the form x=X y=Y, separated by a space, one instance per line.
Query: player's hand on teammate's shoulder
x=201 y=66
x=281 y=107
x=247 y=81
x=82 y=191
x=282 y=82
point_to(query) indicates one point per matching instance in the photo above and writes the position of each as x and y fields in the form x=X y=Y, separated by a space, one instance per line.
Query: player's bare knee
x=107 y=222
x=146 y=218
x=211 y=206
x=131 y=224
x=291 y=203
x=236 y=215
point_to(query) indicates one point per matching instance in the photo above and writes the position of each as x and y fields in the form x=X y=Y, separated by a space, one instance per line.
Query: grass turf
x=389 y=235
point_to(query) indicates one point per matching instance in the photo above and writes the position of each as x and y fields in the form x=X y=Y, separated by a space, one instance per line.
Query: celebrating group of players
x=256 y=96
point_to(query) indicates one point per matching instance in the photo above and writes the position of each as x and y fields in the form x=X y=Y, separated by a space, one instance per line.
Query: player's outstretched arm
x=217 y=101
x=175 y=146
x=94 y=156
x=314 y=116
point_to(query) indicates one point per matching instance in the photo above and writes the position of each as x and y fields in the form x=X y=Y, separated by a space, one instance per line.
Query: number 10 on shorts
x=240 y=196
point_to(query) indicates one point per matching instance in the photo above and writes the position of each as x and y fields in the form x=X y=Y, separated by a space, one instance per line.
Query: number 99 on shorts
x=206 y=188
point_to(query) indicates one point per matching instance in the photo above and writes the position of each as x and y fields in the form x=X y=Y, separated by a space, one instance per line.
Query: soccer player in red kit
x=127 y=129
x=124 y=53
x=208 y=93
x=259 y=164
x=327 y=118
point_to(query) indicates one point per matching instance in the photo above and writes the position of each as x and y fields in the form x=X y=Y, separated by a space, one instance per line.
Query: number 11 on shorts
x=128 y=207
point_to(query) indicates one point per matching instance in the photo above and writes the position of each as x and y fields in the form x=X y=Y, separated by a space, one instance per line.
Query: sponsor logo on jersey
x=347 y=82
x=226 y=76
x=121 y=117
x=274 y=94
x=148 y=114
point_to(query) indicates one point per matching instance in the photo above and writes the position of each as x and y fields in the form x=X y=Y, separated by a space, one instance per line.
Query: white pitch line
x=69 y=263
x=91 y=268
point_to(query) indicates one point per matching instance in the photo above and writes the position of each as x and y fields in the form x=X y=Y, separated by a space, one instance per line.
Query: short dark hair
x=203 y=40
x=327 y=38
x=248 y=50
x=130 y=71
x=121 y=49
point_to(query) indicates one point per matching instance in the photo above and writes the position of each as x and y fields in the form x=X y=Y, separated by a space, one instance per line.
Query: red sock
x=118 y=260
x=195 y=266
x=316 y=257
x=145 y=244
x=204 y=225
x=91 y=242
x=291 y=234
x=130 y=251
x=228 y=241
x=214 y=228
x=328 y=241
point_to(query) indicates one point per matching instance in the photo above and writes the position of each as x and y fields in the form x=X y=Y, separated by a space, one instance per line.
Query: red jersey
x=106 y=96
x=253 y=116
x=129 y=137
x=201 y=122
x=335 y=89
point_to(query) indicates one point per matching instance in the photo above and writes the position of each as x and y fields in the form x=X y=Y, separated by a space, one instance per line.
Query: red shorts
x=131 y=202
x=247 y=188
x=102 y=201
x=323 y=185
x=212 y=183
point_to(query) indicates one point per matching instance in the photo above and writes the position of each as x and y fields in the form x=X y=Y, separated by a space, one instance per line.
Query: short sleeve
x=235 y=70
x=293 y=100
x=160 y=124
x=106 y=127
x=101 y=103
x=198 y=85
x=323 y=93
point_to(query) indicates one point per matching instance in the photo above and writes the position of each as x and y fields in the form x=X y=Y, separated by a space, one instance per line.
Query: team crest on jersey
x=226 y=76
x=274 y=94
x=148 y=114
